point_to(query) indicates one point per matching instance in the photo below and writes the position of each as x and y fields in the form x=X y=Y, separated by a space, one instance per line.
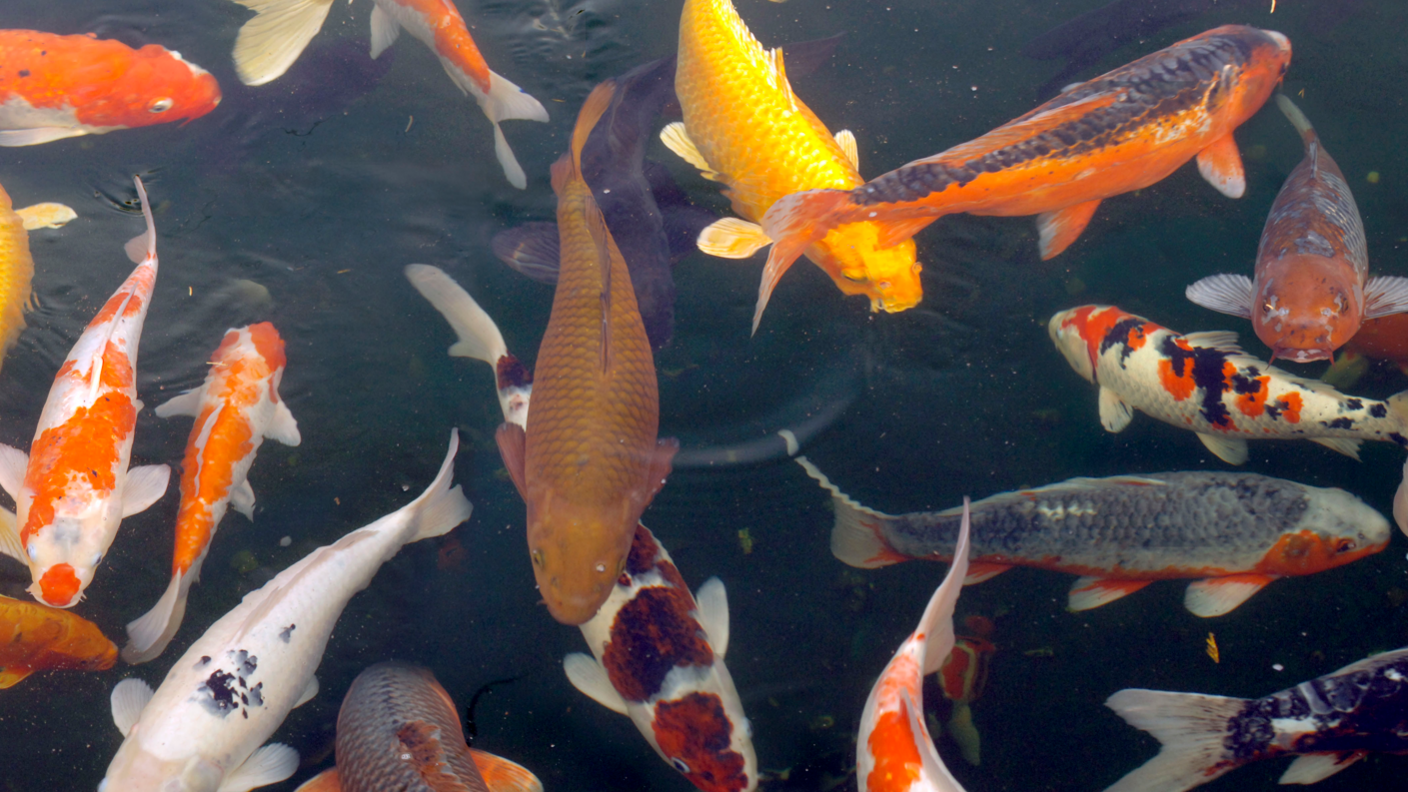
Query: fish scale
x=16 y=272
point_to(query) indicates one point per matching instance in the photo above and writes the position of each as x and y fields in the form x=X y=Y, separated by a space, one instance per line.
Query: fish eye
x=161 y=105
x=1346 y=546
x=537 y=558
x=679 y=765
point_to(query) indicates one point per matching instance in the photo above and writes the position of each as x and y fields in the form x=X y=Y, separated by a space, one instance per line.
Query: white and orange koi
x=74 y=488
x=894 y=752
x=1204 y=382
x=235 y=409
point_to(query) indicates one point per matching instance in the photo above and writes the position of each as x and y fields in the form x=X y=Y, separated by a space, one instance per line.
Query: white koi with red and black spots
x=1204 y=382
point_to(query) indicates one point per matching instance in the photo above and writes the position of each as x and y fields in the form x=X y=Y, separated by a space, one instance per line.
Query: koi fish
x=741 y=118
x=660 y=660
x=235 y=409
x=398 y=729
x=56 y=87
x=687 y=708
x=894 y=752
x=74 y=488
x=35 y=637
x=16 y=273
x=1327 y=723
x=1237 y=532
x=1120 y=132
x=1378 y=339
x=239 y=680
x=1312 y=289
x=269 y=43
x=962 y=678
x=590 y=462
x=1204 y=382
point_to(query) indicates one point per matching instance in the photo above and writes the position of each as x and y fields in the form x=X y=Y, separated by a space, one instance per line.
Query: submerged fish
x=268 y=44
x=1378 y=339
x=46 y=215
x=1312 y=288
x=16 y=273
x=55 y=87
x=1235 y=531
x=745 y=127
x=962 y=678
x=1204 y=382
x=589 y=462
x=74 y=488
x=1327 y=723
x=398 y=729
x=203 y=728
x=35 y=637
x=235 y=409
x=894 y=752
x=1117 y=133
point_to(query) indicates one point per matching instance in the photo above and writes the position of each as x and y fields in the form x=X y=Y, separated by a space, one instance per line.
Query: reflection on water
x=301 y=201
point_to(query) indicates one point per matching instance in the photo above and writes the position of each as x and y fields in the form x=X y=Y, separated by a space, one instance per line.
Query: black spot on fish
x=219 y=692
x=1378 y=410
x=1353 y=404
x=24 y=72
x=1339 y=423
x=1121 y=334
x=203 y=661
x=1398 y=438
x=244 y=699
x=1205 y=365
x=286 y=632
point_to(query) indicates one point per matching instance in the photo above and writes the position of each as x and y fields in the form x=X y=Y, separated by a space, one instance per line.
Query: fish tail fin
x=268 y=44
x=1297 y=118
x=505 y=101
x=1191 y=728
x=148 y=635
x=440 y=508
x=142 y=247
x=502 y=775
x=793 y=223
x=856 y=539
x=479 y=337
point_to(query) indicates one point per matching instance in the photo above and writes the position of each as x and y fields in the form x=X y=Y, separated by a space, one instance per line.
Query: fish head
x=65 y=553
x=158 y=87
x=1270 y=57
x=1335 y=529
x=578 y=550
x=851 y=254
x=1079 y=333
x=706 y=740
x=136 y=769
x=1307 y=306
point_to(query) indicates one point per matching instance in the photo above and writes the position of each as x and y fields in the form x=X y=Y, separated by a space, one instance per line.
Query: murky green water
x=321 y=187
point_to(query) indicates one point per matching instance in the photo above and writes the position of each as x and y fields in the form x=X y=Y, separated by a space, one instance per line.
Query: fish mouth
x=1300 y=355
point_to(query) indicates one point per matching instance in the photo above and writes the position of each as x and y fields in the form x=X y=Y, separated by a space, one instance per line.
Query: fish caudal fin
x=501 y=775
x=479 y=336
x=149 y=634
x=1221 y=166
x=1297 y=119
x=855 y=538
x=440 y=508
x=1190 y=726
x=793 y=223
x=268 y=44
x=1228 y=294
x=504 y=102
x=1314 y=768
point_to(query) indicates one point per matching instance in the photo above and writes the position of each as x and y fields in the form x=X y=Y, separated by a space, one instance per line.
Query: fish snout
x=58 y=587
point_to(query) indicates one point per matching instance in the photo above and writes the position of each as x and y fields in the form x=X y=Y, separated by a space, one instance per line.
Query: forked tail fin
x=1191 y=727
x=793 y=223
x=440 y=508
x=479 y=337
x=268 y=44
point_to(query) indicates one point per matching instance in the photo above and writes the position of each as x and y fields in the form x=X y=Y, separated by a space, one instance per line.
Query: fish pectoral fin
x=268 y=44
x=1385 y=295
x=284 y=427
x=13 y=675
x=242 y=499
x=587 y=675
x=1232 y=450
x=513 y=444
x=963 y=732
x=268 y=765
x=1115 y=412
x=660 y=463
x=533 y=250
x=46 y=215
x=326 y=781
x=1093 y=592
x=1058 y=229
x=846 y=139
x=10 y=543
x=712 y=600
x=37 y=135
x=1342 y=445
x=732 y=238
x=385 y=31
x=1316 y=767
x=677 y=139
x=1221 y=166
x=1221 y=340
x=979 y=571
x=309 y=691
x=501 y=775
x=1229 y=294
x=187 y=403
x=13 y=464
x=129 y=697
x=144 y=486
x=1221 y=595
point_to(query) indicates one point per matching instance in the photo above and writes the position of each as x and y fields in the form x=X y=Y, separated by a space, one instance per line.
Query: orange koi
x=55 y=87
x=1117 y=133
x=894 y=752
x=589 y=462
x=34 y=637
x=1312 y=289
x=741 y=119
x=1384 y=339
x=74 y=488
x=235 y=409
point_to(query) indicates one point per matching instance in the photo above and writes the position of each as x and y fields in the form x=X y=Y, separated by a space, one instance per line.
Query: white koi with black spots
x=202 y=729
x=1204 y=382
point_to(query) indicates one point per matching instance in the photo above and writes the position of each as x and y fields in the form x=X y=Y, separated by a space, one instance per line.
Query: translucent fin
x=712 y=600
x=440 y=508
x=1314 y=768
x=268 y=765
x=35 y=136
x=242 y=499
x=1229 y=294
x=187 y=403
x=309 y=691
x=846 y=139
x=1231 y=450
x=128 y=699
x=1092 y=592
x=533 y=250
x=676 y=139
x=979 y=572
x=1221 y=595
x=502 y=775
x=149 y=634
x=590 y=678
x=385 y=30
x=46 y=215
x=856 y=537
x=13 y=465
x=1115 y=412
x=144 y=486
x=960 y=727
x=283 y=428
x=479 y=337
x=13 y=675
x=268 y=44
x=1221 y=166
x=1058 y=229
x=512 y=443
x=1221 y=340
x=732 y=238
x=1190 y=726
x=1299 y=121
x=1385 y=295
x=1342 y=445
x=937 y=621
x=10 y=543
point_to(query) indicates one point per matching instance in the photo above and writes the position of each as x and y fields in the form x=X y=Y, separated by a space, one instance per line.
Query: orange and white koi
x=35 y=637
x=235 y=409
x=1312 y=289
x=1204 y=382
x=894 y=752
x=74 y=488
x=269 y=43
x=1117 y=133
x=55 y=87
x=744 y=126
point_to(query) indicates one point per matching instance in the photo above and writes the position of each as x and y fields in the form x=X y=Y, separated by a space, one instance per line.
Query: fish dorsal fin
x=590 y=678
x=601 y=242
x=1024 y=129
x=1316 y=767
x=779 y=77
x=712 y=600
x=846 y=139
x=129 y=698
x=501 y=775
x=268 y=765
x=592 y=110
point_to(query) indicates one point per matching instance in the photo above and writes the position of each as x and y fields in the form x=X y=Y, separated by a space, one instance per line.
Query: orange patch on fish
x=1290 y=405
x=1253 y=403
x=896 y=753
x=59 y=585
x=1179 y=384
x=1306 y=552
x=698 y=727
